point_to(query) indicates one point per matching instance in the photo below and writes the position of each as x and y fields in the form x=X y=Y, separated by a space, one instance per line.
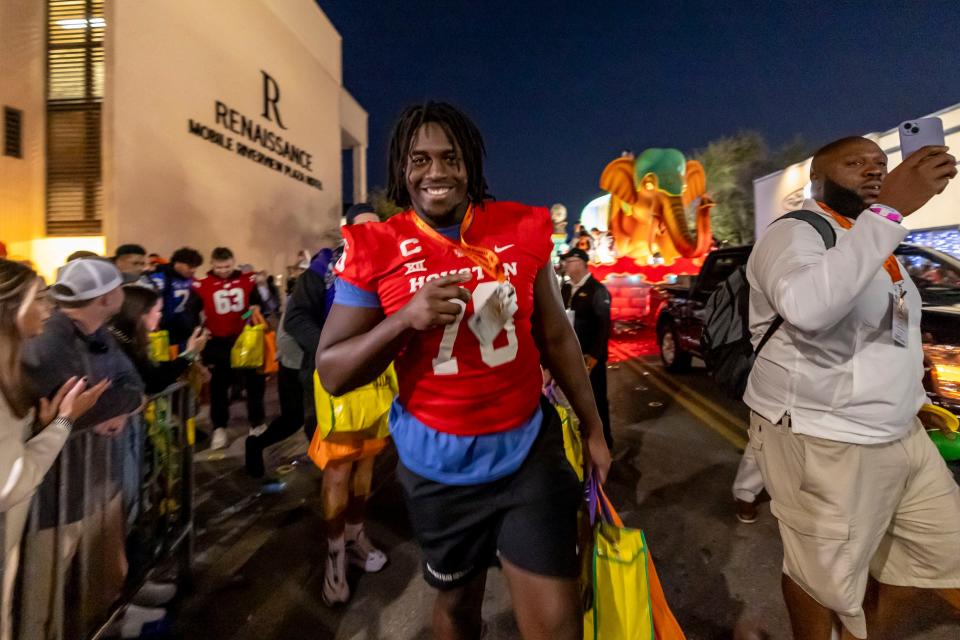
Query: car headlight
x=945 y=369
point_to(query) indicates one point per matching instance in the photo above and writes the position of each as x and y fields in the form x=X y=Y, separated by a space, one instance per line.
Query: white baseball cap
x=85 y=279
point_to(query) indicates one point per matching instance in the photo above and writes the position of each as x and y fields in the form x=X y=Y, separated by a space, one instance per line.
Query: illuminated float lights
x=945 y=370
x=946 y=240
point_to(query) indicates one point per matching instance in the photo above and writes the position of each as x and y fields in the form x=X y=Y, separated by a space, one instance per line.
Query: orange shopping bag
x=271 y=363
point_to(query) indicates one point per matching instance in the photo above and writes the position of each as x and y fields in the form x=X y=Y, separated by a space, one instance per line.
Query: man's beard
x=844 y=201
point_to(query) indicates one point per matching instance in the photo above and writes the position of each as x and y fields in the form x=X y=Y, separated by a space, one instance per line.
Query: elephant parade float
x=654 y=224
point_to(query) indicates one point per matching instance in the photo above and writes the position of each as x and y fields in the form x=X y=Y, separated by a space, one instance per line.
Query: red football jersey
x=447 y=379
x=225 y=300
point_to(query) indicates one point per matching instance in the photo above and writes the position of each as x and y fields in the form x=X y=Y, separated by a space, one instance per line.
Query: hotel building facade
x=174 y=122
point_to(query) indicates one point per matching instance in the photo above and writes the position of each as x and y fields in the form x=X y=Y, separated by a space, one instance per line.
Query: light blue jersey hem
x=461 y=460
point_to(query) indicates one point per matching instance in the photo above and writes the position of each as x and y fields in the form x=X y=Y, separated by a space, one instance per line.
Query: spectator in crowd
x=585 y=243
x=575 y=232
x=153 y=261
x=269 y=295
x=82 y=253
x=588 y=308
x=294 y=271
x=481 y=451
x=138 y=317
x=3 y=250
x=857 y=486
x=181 y=304
x=76 y=343
x=131 y=260
x=30 y=440
x=348 y=472
x=596 y=234
x=228 y=296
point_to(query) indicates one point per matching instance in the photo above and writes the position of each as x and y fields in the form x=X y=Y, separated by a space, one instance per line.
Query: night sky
x=560 y=88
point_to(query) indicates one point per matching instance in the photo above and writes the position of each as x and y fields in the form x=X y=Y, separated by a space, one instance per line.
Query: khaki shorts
x=845 y=510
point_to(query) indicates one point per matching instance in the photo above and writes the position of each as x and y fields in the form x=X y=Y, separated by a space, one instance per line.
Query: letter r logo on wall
x=271 y=96
x=410 y=247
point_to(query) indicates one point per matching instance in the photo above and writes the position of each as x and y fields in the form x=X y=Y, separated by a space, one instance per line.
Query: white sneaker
x=335 y=587
x=258 y=431
x=219 y=439
x=363 y=554
x=155 y=594
x=134 y=619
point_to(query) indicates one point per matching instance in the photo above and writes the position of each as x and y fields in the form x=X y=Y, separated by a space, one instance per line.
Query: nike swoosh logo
x=497 y=249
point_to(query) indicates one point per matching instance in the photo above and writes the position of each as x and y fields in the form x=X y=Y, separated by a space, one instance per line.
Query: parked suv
x=680 y=314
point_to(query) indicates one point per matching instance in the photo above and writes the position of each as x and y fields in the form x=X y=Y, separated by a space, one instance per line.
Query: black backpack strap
x=772 y=329
x=829 y=237
x=817 y=221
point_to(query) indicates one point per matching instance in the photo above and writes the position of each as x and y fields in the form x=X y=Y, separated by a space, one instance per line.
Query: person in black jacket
x=306 y=311
x=347 y=477
x=588 y=307
x=309 y=305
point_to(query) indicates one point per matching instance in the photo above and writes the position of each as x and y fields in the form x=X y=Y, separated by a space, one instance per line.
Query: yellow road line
x=732 y=420
x=731 y=435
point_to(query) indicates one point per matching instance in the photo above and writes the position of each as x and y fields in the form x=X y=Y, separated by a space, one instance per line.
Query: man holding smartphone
x=856 y=485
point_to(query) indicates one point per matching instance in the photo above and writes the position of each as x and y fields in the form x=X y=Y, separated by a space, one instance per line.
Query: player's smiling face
x=436 y=175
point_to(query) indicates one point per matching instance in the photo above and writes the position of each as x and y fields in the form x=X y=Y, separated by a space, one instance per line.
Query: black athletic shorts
x=528 y=517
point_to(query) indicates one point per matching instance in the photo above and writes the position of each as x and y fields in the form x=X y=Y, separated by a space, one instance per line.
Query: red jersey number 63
x=228 y=301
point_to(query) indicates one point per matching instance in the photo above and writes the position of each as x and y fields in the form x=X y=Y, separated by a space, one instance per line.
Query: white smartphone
x=916 y=134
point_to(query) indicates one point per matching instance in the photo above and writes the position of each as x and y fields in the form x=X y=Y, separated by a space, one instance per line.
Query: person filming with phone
x=859 y=490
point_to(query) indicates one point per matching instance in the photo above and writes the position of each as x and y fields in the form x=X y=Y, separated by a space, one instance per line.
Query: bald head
x=847 y=174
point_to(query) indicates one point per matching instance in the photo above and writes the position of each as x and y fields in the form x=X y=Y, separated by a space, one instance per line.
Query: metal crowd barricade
x=107 y=503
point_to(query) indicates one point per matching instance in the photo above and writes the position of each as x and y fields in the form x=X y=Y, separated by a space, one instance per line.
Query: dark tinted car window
x=722 y=268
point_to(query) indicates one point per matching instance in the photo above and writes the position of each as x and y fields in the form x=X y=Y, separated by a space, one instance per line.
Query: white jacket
x=24 y=460
x=833 y=365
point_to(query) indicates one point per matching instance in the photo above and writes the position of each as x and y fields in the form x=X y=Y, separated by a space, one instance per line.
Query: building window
x=12 y=132
x=75 y=30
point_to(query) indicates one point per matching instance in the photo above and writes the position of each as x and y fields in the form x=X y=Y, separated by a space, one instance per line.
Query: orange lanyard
x=485 y=258
x=890 y=265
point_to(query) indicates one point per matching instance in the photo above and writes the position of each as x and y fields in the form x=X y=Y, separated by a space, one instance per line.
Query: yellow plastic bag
x=621 y=593
x=363 y=411
x=572 y=441
x=159 y=350
x=247 y=351
x=628 y=602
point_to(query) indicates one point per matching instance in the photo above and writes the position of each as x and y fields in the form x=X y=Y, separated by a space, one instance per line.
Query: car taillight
x=945 y=370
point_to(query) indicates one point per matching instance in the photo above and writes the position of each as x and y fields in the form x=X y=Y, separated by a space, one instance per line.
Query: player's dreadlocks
x=458 y=128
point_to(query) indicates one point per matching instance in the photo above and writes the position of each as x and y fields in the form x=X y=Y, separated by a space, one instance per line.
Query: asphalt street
x=261 y=547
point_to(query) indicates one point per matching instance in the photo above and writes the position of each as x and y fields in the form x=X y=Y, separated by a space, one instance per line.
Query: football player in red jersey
x=227 y=295
x=459 y=291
